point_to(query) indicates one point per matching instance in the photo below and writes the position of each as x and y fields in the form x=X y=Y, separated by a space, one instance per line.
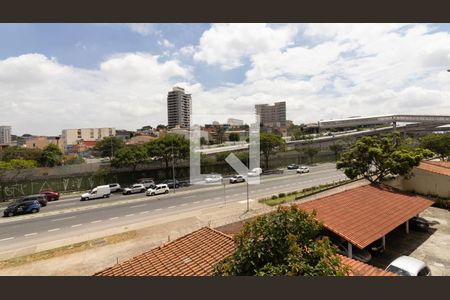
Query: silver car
x=135 y=188
x=409 y=266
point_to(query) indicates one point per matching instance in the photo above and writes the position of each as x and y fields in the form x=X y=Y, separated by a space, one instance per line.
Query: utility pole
x=248 y=164
x=224 y=195
x=173 y=167
x=112 y=149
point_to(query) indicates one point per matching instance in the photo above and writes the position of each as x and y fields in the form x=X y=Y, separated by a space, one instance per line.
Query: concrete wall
x=424 y=182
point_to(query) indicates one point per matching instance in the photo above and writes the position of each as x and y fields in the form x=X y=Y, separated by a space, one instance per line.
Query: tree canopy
x=282 y=243
x=234 y=137
x=376 y=157
x=130 y=157
x=51 y=156
x=16 y=152
x=109 y=146
x=161 y=148
x=270 y=144
x=438 y=143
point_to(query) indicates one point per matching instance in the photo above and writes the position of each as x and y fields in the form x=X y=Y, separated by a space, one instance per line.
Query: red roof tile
x=439 y=167
x=196 y=254
x=364 y=214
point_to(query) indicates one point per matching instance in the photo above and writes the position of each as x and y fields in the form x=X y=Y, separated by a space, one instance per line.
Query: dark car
x=376 y=247
x=39 y=197
x=419 y=224
x=293 y=167
x=362 y=255
x=22 y=208
x=51 y=196
x=147 y=182
x=171 y=185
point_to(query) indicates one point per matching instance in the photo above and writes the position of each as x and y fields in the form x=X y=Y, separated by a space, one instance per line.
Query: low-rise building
x=71 y=137
x=40 y=142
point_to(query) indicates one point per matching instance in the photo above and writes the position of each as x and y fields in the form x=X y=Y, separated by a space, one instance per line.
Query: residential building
x=140 y=139
x=235 y=122
x=272 y=115
x=124 y=135
x=72 y=137
x=5 y=135
x=179 y=108
x=40 y=142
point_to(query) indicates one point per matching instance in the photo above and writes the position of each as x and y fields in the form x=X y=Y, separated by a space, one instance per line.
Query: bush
x=274 y=197
x=281 y=195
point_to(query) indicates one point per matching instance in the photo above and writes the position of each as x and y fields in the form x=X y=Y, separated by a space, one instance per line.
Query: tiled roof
x=194 y=254
x=364 y=214
x=358 y=268
x=439 y=167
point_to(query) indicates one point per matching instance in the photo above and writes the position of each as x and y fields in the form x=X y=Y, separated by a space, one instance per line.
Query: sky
x=58 y=76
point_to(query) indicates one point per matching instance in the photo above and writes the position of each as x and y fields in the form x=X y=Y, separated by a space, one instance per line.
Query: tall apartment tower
x=272 y=115
x=179 y=108
x=5 y=135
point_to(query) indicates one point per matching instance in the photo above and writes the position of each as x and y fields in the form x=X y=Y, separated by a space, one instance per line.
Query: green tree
x=311 y=152
x=161 y=127
x=438 y=143
x=130 y=157
x=234 y=137
x=108 y=146
x=163 y=147
x=376 y=157
x=337 y=149
x=14 y=164
x=220 y=134
x=51 y=156
x=16 y=152
x=270 y=144
x=282 y=243
x=203 y=141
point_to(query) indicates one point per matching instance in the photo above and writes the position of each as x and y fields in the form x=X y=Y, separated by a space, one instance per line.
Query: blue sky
x=124 y=71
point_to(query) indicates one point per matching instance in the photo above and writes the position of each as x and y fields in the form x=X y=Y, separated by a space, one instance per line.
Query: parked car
x=135 y=188
x=41 y=198
x=213 y=178
x=255 y=172
x=147 y=182
x=409 y=266
x=158 y=189
x=293 y=167
x=237 y=178
x=302 y=170
x=376 y=247
x=114 y=187
x=172 y=184
x=342 y=248
x=101 y=191
x=419 y=224
x=51 y=195
x=22 y=208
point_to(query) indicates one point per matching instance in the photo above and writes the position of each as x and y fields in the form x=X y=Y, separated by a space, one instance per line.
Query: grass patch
x=282 y=198
x=69 y=249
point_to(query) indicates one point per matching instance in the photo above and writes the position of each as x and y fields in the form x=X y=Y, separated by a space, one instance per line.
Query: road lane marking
x=51 y=230
x=98 y=221
x=187 y=197
x=184 y=204
x=67 y=218
x=171 y=207
x=158 y=209
x=76 y=225
x=130 y=215
x=113 y=218
x=144 y=212
x=140 y=205
x=6 y=239
x=207 y=200
x=30 y=234
x=196 y=202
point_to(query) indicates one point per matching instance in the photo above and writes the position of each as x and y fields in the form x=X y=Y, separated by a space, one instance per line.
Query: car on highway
x=135 y=188
x=22 y=208
x=115 y=187
x=409 y=266
x=146 y=182
x=101 y=191
x=213 y=178
x=255 y=172
x=293 y=167
x=51 y=195
x=237 y=178
x=41 y=198
x=302 y=169
x=171 y=183
x=158 y=189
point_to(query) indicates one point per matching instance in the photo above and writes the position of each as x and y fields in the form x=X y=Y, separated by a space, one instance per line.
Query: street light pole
x=173 y=168
x=248 y=164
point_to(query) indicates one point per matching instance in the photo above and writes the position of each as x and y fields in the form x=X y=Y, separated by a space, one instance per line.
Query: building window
x=79 y=133
x=92 y=133
x=99 y=133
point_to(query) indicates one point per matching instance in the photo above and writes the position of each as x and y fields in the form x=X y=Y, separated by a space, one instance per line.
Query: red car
x=51 y=196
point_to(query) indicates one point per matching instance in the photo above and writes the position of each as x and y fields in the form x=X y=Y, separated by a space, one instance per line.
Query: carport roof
x=365 y=214
x=439 y=167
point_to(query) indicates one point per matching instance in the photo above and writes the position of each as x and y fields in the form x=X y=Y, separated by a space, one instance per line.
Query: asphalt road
x=119 y=210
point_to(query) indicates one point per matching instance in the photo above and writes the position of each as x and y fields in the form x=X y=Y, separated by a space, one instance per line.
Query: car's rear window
x=398 y=271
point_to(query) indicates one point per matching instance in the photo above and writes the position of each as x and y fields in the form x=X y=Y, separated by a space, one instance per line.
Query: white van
x=102 y=191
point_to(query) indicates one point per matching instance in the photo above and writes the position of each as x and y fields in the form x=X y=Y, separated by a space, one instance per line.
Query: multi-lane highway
x=70 y=217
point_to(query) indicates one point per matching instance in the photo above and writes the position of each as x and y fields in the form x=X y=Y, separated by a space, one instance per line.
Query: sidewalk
x=149 y=235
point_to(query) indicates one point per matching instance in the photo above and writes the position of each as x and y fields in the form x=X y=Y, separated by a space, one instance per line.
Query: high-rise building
x=272 y=115
x=5 y=135
x=179 y=108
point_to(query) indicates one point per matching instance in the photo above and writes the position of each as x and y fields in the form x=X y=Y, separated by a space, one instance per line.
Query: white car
x=409 y=266
x=237 y=178
x=115 y=187
x=213 y=178
x=135 y=188
x=302 y=169
x=158 y=189
x=255 y=172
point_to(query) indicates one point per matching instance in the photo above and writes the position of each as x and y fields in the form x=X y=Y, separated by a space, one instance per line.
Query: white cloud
x=41 y=96
x=227 y=44
x=143 y=28
x=166 y=43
